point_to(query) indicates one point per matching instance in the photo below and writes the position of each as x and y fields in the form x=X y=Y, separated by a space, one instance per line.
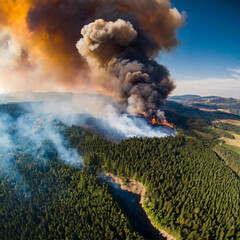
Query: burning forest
x=82 y=97
x=164 y=123
x=98 y=46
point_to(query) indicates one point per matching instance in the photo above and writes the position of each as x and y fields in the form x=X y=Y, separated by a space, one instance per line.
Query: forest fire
x=164 y=123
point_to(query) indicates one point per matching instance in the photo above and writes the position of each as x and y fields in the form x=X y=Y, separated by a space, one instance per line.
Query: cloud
x=235 y=70
x=225 y=87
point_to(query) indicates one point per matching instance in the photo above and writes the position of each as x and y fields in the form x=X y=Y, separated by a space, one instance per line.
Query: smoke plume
x=139 y=81
x=35 y=133
x=117 y=41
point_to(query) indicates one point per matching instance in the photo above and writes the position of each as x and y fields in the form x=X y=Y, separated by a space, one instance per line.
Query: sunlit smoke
x=103 y=47
x=38 y=38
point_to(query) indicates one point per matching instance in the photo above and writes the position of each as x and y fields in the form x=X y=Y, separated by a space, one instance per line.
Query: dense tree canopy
x=190 y=190
x=56 y=201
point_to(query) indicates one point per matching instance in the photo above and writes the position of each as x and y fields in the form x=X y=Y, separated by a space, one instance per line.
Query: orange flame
x=164 y=123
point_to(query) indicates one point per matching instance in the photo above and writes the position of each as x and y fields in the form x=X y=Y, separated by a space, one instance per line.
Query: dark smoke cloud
x=154 y=20
x=120 y=40
x=144 y=85
x=133 y=77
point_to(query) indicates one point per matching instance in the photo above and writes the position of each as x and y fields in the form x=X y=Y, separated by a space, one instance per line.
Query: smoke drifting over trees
x=117 y=41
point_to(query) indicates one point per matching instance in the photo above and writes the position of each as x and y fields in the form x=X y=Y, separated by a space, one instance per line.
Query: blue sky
x=207 y=61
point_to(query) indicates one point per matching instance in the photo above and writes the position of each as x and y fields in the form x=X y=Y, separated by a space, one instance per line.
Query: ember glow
x=164 y=123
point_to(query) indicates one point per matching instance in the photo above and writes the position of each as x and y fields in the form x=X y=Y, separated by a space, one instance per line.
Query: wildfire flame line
x=164 y=123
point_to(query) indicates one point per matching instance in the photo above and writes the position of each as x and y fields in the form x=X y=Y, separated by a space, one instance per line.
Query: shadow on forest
x=130 y=204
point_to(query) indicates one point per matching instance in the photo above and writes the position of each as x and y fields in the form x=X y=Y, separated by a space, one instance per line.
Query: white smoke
x=6 y=145
x=76 y=109
x=132 y=126
x=43 y=123
x=27 y=133
x=10 y=49
x=39 y=128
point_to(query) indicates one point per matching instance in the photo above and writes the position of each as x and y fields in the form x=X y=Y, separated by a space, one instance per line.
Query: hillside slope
x=191 y=192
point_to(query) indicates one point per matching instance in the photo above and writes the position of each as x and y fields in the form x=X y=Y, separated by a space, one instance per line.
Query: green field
x=233 y=148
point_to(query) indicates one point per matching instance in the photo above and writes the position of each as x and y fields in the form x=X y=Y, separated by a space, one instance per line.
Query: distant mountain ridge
x=210 y=103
